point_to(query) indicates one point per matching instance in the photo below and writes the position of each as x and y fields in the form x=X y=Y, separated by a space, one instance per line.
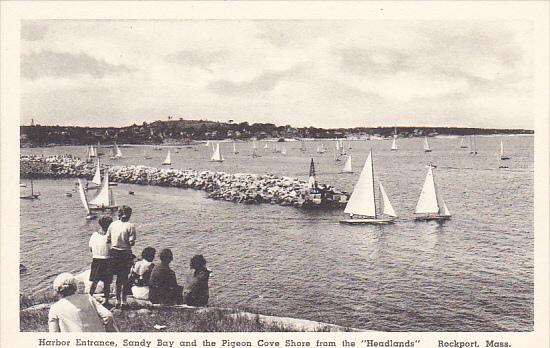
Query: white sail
x=234 y=148
x=207 y=143
x=427 y=203
x=501 y=149
x=97 y=176
x=385 y=202
x=217 y=156
x=462 y=142
x=103 y=196
x=266 y=147
x=83 y=197
x=168 y=159
x=254 y=146
x=92 y=152
x=337 y=146
x=347 y=166
x=362 y=200
x=394 y=143
x=118 y=152
x=283 y=151
x=426 y=144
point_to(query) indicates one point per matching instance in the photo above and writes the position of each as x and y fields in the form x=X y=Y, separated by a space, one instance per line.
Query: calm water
x=472 y=273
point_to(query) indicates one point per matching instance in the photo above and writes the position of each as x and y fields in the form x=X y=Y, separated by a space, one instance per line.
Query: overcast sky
x=322 y=73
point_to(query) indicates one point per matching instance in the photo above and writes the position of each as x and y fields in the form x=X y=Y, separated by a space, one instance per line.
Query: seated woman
x=196 y=289
x=163 y=287
x=77 y=312
x=140 y=274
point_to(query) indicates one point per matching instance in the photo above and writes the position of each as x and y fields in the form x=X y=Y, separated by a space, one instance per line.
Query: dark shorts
x=121 y=262
x=101 y=270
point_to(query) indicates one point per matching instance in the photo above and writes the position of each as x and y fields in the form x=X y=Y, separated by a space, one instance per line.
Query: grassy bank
x=34 y=318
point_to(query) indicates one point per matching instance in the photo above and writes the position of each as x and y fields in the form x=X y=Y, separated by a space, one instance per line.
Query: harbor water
x=471 y=273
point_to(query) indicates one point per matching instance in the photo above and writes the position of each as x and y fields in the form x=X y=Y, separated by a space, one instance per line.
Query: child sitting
x=141 y=273
x=163 y=284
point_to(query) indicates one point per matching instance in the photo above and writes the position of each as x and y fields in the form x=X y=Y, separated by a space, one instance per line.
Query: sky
x=322 y=73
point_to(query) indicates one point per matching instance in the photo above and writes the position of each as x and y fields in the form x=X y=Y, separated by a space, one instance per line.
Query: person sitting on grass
x=196 y=287
x=140 y=274
x=77 y=312
x=101 y=267
x=163 y=286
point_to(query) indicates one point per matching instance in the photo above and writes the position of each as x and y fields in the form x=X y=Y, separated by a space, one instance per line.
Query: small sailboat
x=84 y=200
x=235 y=149
x=32 y=195
x=462 y=145
x=116 y=152
x=254 y=153
x=426 y=145
x=91 y=152
x=347 y=166
x=500 y=164
x=431 y=205
x=502 y=155
x=336 y=155
x=96 y=180
x=283 y=151
x=342 y=149
x=361 y=206
x=349 y=145
x=217 y=156
x=104 y=200
x=167 y=160
x=394 y=143
x=321 y=149
x=473 y=145
x=207 y=143
x=303 y=146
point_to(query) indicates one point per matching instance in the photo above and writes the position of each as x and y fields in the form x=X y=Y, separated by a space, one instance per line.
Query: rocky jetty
x=240 y=188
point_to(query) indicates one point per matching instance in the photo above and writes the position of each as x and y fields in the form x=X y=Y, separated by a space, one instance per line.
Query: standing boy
x=101 y=268
x=122 y=236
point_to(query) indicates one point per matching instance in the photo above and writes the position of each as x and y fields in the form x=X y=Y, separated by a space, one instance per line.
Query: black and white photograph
x=292 y=174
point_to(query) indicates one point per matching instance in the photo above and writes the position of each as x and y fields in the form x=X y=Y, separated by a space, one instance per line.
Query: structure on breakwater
x=241 y=188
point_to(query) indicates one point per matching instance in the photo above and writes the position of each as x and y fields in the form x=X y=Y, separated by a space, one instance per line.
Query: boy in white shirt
x=101 y=267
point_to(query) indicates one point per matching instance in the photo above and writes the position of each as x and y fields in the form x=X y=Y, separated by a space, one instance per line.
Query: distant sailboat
x=431 y=205
x=336 y=155
x=347 y=166
x=91 y=152
x=84 y=200
x=321 y=149
x=167 y=160
x=254 y=150
x=32 y=195
x=116 y=152
x=99 y=150
x=362 y=203
x=235 y=149
x=349 y=145
x=394 y=143
x=426 y=145
x=96 y=178
x=473 y=145
x=303 y=146
x=266 y=146
x=502 y=155
x=462 y=145
x=217 y=156
x=342 y=149
x=283 y=151
x=104 y=200
x=207 y=143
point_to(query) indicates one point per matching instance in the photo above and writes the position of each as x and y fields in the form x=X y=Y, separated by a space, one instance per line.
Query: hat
x=63 y=281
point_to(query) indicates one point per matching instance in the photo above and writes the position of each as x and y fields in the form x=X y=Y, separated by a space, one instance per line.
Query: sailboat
x=217 y=156
x=431 y=205
x=283 y=151
x=336 y=155
x=426 y=145
x=502 y=155
x=473 y=145
x=207 y=143
x=349 y=145
x=235 y=149
x=32 y=195
x=91 y=152
x=266 y=147
x=462 y=146
x=96 y=179
x=84 y=200
x=167 y=160
x=104 y=200
x=116 y=152
x=254 y=150
x=347 y=166
x=303 y=146
x=342 y=149
x=362 y=204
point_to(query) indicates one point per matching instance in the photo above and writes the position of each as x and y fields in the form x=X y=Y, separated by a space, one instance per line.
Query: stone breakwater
x=241 y=188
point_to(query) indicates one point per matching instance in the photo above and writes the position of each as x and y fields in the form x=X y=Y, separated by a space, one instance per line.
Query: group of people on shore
x=112 y=257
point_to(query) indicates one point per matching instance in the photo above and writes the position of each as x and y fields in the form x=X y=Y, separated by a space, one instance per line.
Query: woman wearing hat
x=77 y=312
